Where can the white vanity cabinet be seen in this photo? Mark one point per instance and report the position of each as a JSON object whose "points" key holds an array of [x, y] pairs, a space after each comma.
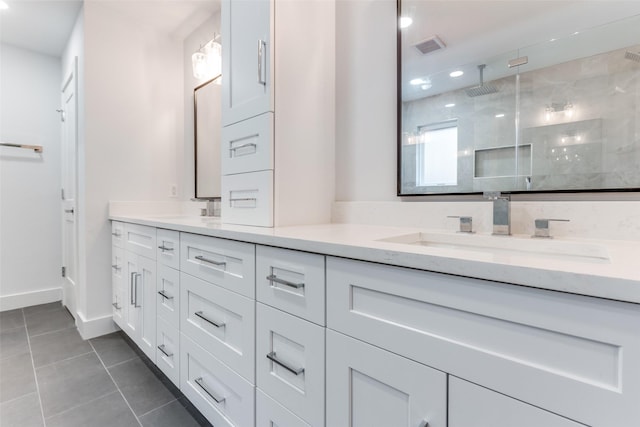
{"points": [[118, 291], [140, 320], [277, 111]]}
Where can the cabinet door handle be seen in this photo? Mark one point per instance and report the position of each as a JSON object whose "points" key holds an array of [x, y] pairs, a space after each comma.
{"points": [[424, 423], [210, 261], [136, 281], [261, 59], [165, 296], [200, 382], [165, 352], [272, 356], [115, 267], [276, 279], [164, 248], [206, 319], [131, 288], [116, 306], [116, 234], [238, 147]]}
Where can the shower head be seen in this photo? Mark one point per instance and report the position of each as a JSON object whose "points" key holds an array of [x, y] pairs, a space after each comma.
{"points": [[632, 56], [481, 89]]}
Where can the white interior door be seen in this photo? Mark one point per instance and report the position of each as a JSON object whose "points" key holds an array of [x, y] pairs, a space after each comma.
{"points": [[69, 186]]}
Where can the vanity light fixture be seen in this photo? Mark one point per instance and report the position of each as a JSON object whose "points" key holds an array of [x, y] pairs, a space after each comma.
{"points": [[552, 109], [3, 5], [456, 73], [207, 61], [405, 21]]}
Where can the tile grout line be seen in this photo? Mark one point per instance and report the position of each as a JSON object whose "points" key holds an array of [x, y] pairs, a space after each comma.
{"points": [[116, 384], [33, 366], [53, 332], [120, 363], [80, 405], [159, 407], [64, 360]]}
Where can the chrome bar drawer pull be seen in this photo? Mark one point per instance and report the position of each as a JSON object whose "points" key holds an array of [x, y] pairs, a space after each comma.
{"points": [[206, 390], [276, 279], [136, 303], [238, 147], [165, 296], [164, 248], [162, 349], [272, 356], [116, 234], [132, 291], [116, 306], [424, 423], [203, 259], [261, 62], [206, 319]]}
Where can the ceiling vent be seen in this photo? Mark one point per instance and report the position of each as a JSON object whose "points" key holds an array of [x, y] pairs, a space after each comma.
{"points": [[430, 45]]}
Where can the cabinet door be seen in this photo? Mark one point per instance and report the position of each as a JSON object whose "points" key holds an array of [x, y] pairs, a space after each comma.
{"points": [[168, 247], [474, 406], [168, 295], [131, 310], [370, 387], [145, 287], [247, 59], [117, 283]]}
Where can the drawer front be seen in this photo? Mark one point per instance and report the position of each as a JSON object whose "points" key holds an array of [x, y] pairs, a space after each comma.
{"points": [[168, 351], [168, 247], [223, 397], [270, 413], [118, 290], [168, 295], [117, 234], [291, 281], [368, 386], [247, 146], [502, 336], [222, 322], [290, 362], [247, 199], [474, 406], [224, 262], [140, 239]]}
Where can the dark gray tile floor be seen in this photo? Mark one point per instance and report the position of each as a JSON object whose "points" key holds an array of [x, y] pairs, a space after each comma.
{"points": [[51, 377]]}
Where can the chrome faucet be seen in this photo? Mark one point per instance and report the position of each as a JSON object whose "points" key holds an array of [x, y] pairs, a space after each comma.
{"points": [[501, 213]]}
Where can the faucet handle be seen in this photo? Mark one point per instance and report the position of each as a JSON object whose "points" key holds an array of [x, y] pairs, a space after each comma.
{"points": [[466, 223], [542, 227]]}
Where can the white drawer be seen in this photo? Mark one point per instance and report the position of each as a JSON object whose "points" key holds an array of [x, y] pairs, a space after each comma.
{"points": [[168, 295], [222, 322], [118, 292], [140, 239], [247, 199], [223, 397], [117, 234], [497, 335], [474, 406], [247, 146], [226, 263], [168, 248], [270, 413], [292, 281], [168, 351], [290, 362]]}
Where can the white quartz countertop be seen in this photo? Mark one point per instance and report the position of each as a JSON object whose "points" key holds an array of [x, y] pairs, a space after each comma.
{"points": [[600, 268]]}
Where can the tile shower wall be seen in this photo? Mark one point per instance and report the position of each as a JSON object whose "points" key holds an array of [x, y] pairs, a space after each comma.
{"points": [[580, 117]]}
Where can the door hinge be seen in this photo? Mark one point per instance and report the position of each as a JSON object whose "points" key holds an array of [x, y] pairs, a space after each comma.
{"points": [[64, 271]]}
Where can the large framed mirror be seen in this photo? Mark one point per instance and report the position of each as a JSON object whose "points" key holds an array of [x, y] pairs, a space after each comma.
{"points": [[518, 96], [207, 106]]}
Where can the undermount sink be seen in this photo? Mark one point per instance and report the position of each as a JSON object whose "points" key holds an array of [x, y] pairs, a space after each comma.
{"points": [[508, 245]]}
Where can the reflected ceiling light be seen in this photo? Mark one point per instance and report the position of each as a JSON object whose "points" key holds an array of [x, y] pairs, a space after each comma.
{"points": [[207, 61], [450, 105], [405, 21], [3, 5], [426, 86], [418, 81], [499, 115], [456, 73], [576, 33], [552, 40]]}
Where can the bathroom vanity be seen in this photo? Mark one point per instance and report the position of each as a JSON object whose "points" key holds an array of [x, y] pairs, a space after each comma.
{"points": [[348, 325]]}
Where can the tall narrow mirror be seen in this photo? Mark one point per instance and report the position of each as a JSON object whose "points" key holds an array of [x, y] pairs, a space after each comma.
{"points": [[207, 124]]}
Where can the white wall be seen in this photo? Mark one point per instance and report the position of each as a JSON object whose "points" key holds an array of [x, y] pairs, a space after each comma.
{"points": [[30, 218], [197, 38], [133, 129]]}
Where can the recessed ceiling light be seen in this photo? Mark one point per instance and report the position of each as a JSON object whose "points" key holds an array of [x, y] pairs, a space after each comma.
{"points": [[418, 81], [499, 115], [3, 5], [450, 105], [405, 21], [456, 73]]}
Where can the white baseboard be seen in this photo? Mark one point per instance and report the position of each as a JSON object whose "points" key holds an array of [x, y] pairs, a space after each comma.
{"points": [[91, 328], [27, 299]]}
